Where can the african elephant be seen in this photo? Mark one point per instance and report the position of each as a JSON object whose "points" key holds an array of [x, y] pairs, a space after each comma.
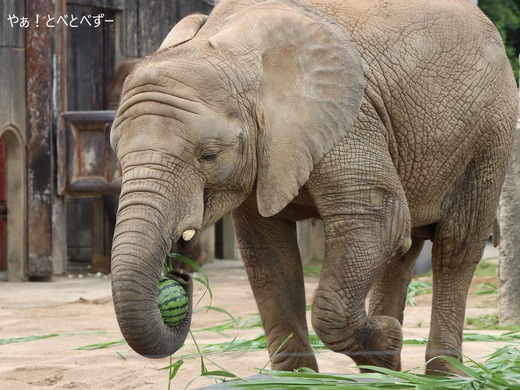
{"points": [[391, 121], [110, 201]]}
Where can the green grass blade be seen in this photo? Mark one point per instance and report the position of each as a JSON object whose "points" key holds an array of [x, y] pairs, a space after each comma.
{"points": [[26, 339], [308, 379], [219, 374], [405, 377], [174, 368], [248, 323], [513, 336], [417, 288], [505, 337], [423, 341], [91, 347], [487, 289]]}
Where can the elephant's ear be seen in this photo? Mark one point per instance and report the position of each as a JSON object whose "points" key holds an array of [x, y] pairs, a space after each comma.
{"points": [[310, 87], [184, 30]]}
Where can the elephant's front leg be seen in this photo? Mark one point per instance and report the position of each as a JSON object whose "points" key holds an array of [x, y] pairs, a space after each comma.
{"points": [[270, 252], [338, 313], [367, 223]]}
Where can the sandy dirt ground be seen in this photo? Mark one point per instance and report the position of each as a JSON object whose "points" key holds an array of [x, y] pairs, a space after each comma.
{"points": [[78, 311]]}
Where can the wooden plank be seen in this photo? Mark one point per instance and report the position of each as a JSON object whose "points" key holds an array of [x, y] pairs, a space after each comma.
{"points": [[86, 57], [100, 259], [131, 29], [150, 20], [59, 211], [147, 22], [39, 142], [187, 7], [109, 56], [106, 4], [79, 223], [11, 35], [12, 87], [170, 19]]}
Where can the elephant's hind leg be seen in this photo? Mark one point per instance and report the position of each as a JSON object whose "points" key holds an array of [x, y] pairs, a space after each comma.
{"points": [[452, 274], [388, 295], [458, 245]]}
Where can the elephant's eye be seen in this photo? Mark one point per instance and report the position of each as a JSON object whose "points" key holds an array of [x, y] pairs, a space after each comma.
{"points": [[208, 157]]}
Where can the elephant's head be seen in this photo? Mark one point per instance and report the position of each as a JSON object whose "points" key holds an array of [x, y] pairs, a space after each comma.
{"points": [[247, 107]]}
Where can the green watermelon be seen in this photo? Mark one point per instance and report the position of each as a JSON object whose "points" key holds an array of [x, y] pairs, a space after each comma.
{"points": [[173, 301]]}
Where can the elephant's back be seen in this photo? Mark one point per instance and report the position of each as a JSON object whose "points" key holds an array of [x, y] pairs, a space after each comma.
{"points": [[448, 90]]}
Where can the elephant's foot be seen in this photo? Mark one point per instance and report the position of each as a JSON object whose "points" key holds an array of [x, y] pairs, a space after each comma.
{"points": [[441, 367], [295, 361], [379, 344], [292, 355]]}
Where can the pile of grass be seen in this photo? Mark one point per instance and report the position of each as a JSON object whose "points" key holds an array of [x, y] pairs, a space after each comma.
{"points": [[501, 371]]}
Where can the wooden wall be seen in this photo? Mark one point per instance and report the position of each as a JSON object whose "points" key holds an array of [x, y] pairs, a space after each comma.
{"points": [[46, 71], [147, 22], [93, 55], [43, 72]]}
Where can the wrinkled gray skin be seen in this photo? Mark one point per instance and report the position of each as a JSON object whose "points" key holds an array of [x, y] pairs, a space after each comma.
{"points": [[110, 201], [393, 125]]}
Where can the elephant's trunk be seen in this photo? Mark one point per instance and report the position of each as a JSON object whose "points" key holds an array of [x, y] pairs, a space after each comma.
{"points": [[147, 223]]}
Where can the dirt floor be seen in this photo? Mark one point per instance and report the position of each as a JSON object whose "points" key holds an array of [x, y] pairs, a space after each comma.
{"points": [[77, 311]]}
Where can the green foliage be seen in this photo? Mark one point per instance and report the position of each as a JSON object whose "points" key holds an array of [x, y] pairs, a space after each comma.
{"points": [[417, 288], [487, 289], [489, 321], [27, 338], [508, 337], [505, 14], [486, 267], [314, 267], [92, 347], [485, 321], [500, 371], [512, 336]]}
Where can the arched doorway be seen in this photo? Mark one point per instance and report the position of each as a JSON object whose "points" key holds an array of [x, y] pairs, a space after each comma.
{"points": [[15, 194]]}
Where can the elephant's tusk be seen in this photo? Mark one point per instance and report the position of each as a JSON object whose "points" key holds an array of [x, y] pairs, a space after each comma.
{"points": [[188, 234]]}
